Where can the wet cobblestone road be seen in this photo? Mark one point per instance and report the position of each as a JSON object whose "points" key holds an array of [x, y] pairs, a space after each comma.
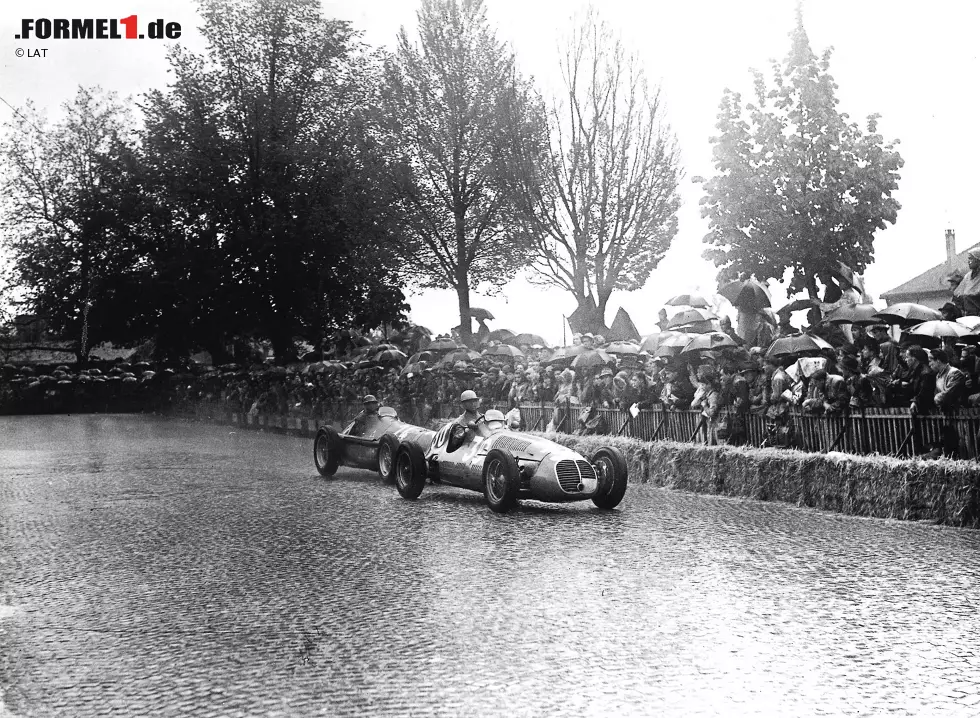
{"points": [[175, 569]]}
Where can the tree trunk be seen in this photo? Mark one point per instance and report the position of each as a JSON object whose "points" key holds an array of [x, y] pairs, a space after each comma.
{"points": [[465, 321]]}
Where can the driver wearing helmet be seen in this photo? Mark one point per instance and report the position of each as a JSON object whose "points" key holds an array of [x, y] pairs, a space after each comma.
{"points": [[471, 408]]}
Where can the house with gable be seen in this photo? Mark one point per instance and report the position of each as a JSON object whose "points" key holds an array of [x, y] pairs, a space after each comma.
{"points": [[931, 288]]}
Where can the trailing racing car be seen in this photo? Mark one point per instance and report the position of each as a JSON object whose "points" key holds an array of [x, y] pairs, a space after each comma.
{"points": [[370, 444], [508, 465]]}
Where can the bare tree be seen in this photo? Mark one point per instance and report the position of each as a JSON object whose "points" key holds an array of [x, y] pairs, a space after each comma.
{"points": [[602, 201]]}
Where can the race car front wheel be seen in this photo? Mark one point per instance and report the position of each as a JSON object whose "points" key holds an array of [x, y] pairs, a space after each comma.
{"points": [[387, 449], [410, 471], [326, 451], [610, 465], [501, 480]]}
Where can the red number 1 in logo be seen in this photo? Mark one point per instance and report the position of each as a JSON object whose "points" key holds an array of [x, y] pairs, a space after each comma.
{"points": [[130, 24]]}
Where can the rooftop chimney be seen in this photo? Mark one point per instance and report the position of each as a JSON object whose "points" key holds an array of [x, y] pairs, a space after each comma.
{"points": [[950, 250]]}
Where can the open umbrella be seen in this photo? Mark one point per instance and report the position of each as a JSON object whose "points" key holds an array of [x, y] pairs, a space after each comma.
{"points": [[861, 314], [797, 345], [688, 300], [939, 329], [501, 335], [480, 314], [651, 342], [563, 356], [530, 340], [623, 348], [592, 358], [971, 322], [415, 368], [708, 342], [672, 345], [690, 317], [391, 356], [747, 294], [503, 350], [907, 313], [444, 344], [463, 354]]}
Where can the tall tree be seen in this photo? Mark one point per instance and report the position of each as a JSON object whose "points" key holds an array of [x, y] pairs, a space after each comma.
{"points": [[72, 212], [454, 104], [257, 165], [601, 200], [798, 186]]}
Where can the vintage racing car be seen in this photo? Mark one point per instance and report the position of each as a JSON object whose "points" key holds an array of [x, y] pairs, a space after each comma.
{"points": [[370, 444], [507, 465]]}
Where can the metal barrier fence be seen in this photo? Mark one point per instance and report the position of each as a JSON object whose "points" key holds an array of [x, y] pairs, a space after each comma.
{"points": [[875, 431]]}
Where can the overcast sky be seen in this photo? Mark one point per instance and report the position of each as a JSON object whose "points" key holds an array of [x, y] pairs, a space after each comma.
{"points": [[913, 63]]}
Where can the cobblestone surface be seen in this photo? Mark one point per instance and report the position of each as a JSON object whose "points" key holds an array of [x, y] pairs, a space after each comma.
{"points": [[175, 569]]}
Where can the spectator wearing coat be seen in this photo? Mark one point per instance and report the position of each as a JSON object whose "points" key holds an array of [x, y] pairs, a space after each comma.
{"points": [[967, 293], [950, 382], [915, 386]]}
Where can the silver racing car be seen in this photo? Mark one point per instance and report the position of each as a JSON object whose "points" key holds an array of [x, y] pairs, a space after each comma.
{"points": [[507, 466]]}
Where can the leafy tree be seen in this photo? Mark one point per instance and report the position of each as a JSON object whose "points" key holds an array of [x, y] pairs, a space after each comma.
{"points": [[601, 199], [453, 105], [256, 164], [72, 216], [798, 186]]}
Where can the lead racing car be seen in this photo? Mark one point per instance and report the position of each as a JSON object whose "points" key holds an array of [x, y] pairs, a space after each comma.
{"points": [[508, 465]]}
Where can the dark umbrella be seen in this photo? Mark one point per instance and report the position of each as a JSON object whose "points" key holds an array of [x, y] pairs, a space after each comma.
{"points": [[672, 345], [501, 335], [464, 355], [689, 317], [797, 344], [708, 342], [480, 314], [529, 339], [592, 358], [848, 276], [860, 314], [747, 294], [688, 300], [907, 313], [650, 343], [391, 356], [442, 345], [503, 350]]}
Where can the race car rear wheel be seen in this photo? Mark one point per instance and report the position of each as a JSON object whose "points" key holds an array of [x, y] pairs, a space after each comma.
{"points": [[613, 474], [501, 480], [387, 449], [326, 451], [410, 471]]}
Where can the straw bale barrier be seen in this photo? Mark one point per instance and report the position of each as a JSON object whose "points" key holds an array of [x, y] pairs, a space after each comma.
{"points": [[943, 490]]}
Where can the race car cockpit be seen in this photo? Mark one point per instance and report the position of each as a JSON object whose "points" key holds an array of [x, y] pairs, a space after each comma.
{"points": [[491, 422]]}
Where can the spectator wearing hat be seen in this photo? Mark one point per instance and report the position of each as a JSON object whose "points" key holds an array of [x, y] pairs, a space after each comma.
{"points": [[949, 311], [370, 404], [967, 292]]}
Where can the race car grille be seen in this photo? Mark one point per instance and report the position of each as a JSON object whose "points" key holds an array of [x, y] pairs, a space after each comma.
{"points": [[512, 444], [572, 473]]}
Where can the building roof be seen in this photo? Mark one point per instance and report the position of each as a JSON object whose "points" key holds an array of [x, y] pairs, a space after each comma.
{"points": [[933, 280]]}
